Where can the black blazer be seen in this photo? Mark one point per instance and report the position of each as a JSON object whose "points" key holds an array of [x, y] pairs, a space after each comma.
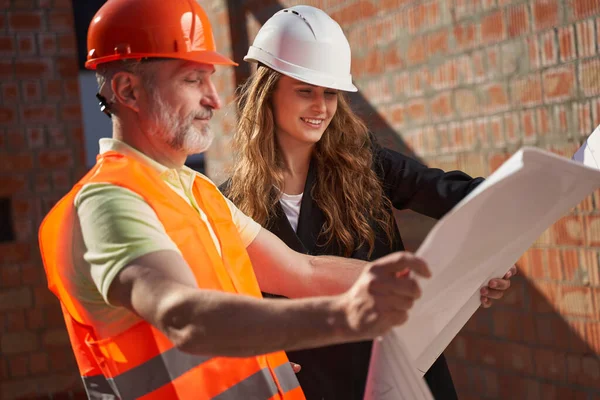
{"points": [[340, 371]]}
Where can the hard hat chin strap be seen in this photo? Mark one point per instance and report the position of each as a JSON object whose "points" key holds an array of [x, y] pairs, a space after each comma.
{"points": [[103, 103]]}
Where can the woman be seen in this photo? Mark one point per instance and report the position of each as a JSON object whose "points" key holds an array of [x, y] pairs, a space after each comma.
{"points": [[310, 172]]}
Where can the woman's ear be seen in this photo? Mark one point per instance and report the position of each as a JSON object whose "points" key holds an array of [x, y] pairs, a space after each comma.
{"points": [[126, 88]]}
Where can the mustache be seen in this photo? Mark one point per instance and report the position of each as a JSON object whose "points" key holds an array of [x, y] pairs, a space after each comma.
{"points": [[205, 113]]}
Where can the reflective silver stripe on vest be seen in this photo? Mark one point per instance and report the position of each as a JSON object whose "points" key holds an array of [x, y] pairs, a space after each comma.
{"points": [[145, 378], [286, 377], [261, 386], [170, 365], [97, 387]]}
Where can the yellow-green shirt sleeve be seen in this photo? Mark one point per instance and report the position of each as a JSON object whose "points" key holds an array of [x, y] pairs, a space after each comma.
{"points": [[117, 226]]}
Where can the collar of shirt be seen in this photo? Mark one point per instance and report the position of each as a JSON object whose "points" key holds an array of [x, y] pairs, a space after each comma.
{"points": [[182, 177]]}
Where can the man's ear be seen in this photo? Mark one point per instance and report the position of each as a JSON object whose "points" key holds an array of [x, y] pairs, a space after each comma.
{"points": [[126, 88]]}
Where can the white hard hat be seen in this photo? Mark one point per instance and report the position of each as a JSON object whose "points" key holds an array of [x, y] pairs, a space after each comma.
{"points": [[306, 44]]}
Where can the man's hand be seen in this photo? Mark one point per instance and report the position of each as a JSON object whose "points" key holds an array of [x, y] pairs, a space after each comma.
{"points": [[383, 294], [496, 288]]}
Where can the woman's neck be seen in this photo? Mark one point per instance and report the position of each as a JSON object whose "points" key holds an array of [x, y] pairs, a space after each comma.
{"points": [[296, 163]]}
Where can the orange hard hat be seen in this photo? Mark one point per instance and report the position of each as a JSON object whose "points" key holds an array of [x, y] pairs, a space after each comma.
{"points": [[136, 29]]}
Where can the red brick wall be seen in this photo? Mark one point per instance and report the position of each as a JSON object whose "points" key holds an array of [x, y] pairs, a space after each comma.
{"points": [[41, 154], [463, 84]]}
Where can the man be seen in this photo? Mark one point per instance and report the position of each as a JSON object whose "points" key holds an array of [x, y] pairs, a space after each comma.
{"points": [[159, 276]]}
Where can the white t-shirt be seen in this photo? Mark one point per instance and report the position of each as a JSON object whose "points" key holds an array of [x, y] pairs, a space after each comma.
{"points": [[291, 207]]}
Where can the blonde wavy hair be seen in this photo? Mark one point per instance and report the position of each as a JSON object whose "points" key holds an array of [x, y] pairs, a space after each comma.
{"points": [[347, 189]]}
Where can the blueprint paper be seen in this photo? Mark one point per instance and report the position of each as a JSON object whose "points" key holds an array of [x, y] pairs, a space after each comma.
{"points": [[589, 153], [480, 239]]}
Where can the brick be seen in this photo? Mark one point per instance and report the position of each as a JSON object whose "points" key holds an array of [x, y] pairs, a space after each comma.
{"points": [[441, 107], [526, 91], [466, 102], [392, 59], [554, 391], [508, 324], [589, 77], [496, 159], [518, 20], [552, 332], [583, 115], [19, 342], [70, 112], [53, 89], [7, 69], [7, 115], [575, 301], [416, 52], [516, 387], [478, 65], [416, 110], [53, 159], [71, 89], [584, 8], [590, 264], [67, 43], [486, 382], [544, 297], [16, 162], [465, 8], [517, 357], [354, 12], [437, 43], [56, 338], [48, 43], [496, 130], [586, 44], [464, 66], [416, 18], [545, 14], [549, 48], [38, 113], [18, 366], [583, 370], [551, 365], [7, 45], [559, 83], [10, 92], [41, 183], [533, 51], [465, 35], [32, 68], [61, 180], [60, 21], [24, 4], [566, 43], [592, 232], [529, 126], [25, 21], [495, 98], [35, 318], [26, 44], [67, 67], [492, 28], [15, 321], [32, 91], [38, 363], [11, 184]]}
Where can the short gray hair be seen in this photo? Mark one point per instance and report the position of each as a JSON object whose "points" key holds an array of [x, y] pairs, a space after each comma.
{"points": [[106, 71]]}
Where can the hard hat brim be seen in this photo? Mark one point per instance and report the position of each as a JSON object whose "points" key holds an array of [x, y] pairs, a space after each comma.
{"points": [[203, 57], [303, 75]]}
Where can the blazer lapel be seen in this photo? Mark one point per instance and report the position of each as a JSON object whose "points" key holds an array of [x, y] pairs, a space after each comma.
{"points": [[280, 226], [311, 218]]}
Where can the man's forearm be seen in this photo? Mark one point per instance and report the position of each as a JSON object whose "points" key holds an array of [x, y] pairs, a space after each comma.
{"points": [[222, 324], [330, 275]]}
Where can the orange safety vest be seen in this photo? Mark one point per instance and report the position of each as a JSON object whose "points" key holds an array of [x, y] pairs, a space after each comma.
{"points": [[141, 362]]}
